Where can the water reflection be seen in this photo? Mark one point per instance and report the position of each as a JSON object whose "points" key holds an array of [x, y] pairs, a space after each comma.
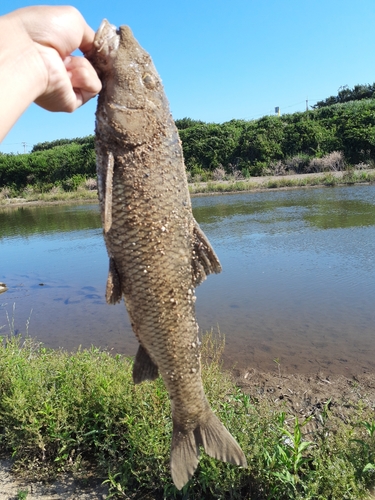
{"points": [[298, 281], [26, 221]]}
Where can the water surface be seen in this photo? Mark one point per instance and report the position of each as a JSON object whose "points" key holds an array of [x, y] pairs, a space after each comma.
{"points": [[298, 281]]}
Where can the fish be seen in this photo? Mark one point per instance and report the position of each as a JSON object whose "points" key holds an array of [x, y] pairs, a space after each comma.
{"points": [[157, 252]]}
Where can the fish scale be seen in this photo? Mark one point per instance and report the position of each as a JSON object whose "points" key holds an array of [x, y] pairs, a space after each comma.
{"points": [[158, 254]]}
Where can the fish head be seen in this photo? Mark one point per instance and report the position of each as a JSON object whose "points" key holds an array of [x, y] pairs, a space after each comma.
{"points": [[134, 104], [105, 45]]}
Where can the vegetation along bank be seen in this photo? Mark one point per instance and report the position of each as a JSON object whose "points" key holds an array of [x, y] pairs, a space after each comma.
{"points": [[330, 138], [79, 415]]}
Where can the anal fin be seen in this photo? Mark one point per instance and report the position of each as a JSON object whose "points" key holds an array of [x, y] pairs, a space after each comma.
{"points": [[113, 291], [205, 260], [144, 368]]}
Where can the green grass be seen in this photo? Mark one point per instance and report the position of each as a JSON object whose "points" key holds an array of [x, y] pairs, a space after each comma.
{"points": [[53, 195], [83, 193], [63, 411], [325, 179], [22, 495]]}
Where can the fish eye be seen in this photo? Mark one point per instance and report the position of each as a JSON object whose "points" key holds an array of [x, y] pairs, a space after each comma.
{"points": [[149, 81]]}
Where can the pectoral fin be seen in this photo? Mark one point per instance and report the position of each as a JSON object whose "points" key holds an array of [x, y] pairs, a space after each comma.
{"points": [[113, 291], [144, 368], [205, 260], [108, 194]]}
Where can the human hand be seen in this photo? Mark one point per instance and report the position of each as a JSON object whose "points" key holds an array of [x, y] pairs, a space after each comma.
{"points": [[47, 36]]}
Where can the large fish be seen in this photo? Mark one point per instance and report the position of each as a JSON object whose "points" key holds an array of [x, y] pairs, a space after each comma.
{"points": [[158, 254]]}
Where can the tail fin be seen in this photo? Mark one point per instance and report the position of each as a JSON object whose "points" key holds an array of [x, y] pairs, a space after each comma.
{"points": [[216, 441]]}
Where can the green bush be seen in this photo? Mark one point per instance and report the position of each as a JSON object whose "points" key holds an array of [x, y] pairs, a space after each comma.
{"points": [[253, 146], [48, 166], [74, 182]]}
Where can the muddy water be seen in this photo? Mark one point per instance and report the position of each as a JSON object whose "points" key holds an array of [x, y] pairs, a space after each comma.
{"points": [[297, 289]]}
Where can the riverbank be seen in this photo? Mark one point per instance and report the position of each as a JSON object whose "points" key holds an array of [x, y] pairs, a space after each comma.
{"points": [[76, 418], [335, 417], [285, 182], [349, 177], [311, 399]]}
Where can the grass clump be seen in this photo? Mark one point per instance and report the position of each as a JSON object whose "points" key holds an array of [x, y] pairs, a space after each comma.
{"points": [[283, 181], [63, 411], [77, 187]]}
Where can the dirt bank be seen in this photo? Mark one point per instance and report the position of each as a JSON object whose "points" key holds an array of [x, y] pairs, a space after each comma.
{"points": [[12, 487]]}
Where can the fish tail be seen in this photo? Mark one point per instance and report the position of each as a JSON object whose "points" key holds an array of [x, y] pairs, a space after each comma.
{"points": [[216, 441]]}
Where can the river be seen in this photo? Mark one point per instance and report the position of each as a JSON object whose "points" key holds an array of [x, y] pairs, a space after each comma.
{"points": [[297, 287]]}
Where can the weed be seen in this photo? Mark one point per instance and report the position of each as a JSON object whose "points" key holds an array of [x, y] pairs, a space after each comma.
{"points": [[22, 495], [64, 411], [91, 184], [218, 174], [277, 361], [367, 446], [198, 183], [287, 463]]}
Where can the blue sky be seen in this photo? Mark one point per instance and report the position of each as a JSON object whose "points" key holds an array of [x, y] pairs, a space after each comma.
{"points": [[225, 59]]}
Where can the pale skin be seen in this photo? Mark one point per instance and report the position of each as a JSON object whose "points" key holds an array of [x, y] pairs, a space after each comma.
{"points": [[36, 64]]}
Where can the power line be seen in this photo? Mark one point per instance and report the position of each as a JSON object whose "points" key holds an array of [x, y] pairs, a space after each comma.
{"points": [[25, 145]]}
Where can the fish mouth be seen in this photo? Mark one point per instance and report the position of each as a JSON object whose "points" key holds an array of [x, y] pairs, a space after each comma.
{"points": [[106, 38]]}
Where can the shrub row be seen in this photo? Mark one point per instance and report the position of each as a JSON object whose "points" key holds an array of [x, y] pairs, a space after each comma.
{"points": [[256, 147]]}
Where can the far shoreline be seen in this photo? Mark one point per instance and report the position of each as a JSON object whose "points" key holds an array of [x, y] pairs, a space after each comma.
{"points": [[253, 184]]}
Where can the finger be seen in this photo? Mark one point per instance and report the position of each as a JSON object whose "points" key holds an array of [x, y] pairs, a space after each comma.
{"points": [[61, 98], [71, 22], [82, 75], [88, 36], [82, 96], [61, 27]]}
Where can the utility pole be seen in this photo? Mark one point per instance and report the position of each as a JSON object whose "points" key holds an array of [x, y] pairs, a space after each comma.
{"points": [[24, 147], [307, 103]]}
